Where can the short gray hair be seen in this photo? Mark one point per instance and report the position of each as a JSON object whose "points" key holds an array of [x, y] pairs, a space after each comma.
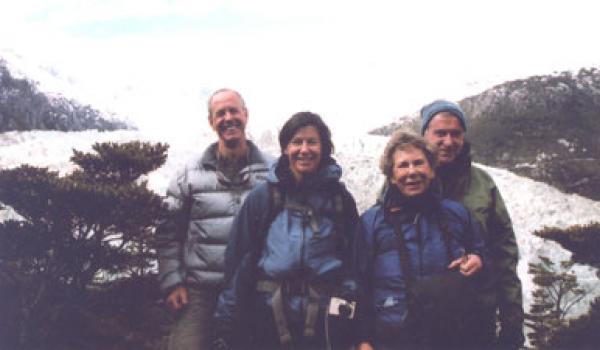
{"points": [[400, 140], [224, 90]]}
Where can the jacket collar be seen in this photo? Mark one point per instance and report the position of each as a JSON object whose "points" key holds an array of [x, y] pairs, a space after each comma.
{"points": [[329, 172], [397, 205], [454, 177], [256, 161], [209, 158]]}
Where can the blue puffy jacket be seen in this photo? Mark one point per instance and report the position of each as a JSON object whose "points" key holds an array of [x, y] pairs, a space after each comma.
{"points": [[290, 250], [382, 272]]}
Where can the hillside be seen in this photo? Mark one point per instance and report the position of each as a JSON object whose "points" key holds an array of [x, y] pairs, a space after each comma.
{"points": [[24, 107], [532, 205], [543, 127]]}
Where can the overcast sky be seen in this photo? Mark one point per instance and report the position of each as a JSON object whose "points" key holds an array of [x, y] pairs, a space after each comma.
{"points": [[357, 63]]}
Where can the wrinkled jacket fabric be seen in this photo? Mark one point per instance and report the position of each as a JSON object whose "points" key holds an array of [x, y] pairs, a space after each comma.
{"points": [[383, 276], [290, 251], [475, 189], [203, 203]]}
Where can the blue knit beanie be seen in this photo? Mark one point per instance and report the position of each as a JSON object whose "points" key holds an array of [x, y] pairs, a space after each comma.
{"points": [[437, 106]]}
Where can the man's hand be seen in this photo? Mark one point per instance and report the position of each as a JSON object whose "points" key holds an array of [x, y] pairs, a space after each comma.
{"points": [[178, 298], [468, 264]]}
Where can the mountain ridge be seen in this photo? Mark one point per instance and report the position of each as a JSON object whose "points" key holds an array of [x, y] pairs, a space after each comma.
{"points": [[24, 107], [544, 127]]}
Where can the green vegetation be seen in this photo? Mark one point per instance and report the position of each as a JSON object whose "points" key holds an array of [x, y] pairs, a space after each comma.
{"points": [[76, 271], [559, 290]]}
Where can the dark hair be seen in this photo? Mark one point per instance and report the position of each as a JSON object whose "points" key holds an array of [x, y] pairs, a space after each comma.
{"points": [[300, 120], [401, 140]]}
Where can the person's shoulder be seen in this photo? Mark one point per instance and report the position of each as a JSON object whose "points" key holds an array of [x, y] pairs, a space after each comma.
{"points": [[259, 156], [268, 159], [259, 195], [261, 189], [341, 188], [481, 174], [195, 164], [454, 208], [370, 220], [372, 213], [348, 201], [199, 161]]}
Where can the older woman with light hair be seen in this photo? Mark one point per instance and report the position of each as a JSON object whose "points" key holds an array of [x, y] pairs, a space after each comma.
{"points": [[422, 256]]}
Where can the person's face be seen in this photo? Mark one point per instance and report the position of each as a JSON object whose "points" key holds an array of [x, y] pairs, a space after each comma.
{"points": [[228, 118], [304, 152], [411, 173], [447, 134]]}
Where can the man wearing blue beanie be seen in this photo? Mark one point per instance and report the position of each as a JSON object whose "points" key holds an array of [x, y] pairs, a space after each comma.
{"points": [[444, 125]]}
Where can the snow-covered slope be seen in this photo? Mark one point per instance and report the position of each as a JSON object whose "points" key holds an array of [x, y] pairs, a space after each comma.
{"points": [[56, 85], [532, 205]]}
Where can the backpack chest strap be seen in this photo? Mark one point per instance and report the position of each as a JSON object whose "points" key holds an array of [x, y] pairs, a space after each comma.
{"points": [[308, 214], [281, 289]]}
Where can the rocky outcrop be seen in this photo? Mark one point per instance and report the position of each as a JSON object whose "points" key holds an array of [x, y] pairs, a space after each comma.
{"points": [[23, 107]]}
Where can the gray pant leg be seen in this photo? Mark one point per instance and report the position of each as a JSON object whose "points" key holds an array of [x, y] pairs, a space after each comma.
{"points": [[193, 328]]}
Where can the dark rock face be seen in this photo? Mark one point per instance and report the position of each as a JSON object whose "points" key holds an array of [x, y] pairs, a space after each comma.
{"points": [[22, 107], [543, 127]]}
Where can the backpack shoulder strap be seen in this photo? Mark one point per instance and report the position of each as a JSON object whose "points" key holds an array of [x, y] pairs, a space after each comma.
{"points": [[339, 214], [338, 203], [274, 206], [337, 193], [446, 233], [276, 202]]}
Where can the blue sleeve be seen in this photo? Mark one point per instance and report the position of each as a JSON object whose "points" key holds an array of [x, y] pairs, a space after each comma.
{"points": [[241, 256], [472, 237]]}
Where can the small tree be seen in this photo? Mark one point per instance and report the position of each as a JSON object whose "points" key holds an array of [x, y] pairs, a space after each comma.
{"points": [[580, 333], [584, 242], [558, 291], [97, 218]]}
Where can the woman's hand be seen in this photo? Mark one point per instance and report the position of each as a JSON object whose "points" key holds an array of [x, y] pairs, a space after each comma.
{"points": [[468, 264]]}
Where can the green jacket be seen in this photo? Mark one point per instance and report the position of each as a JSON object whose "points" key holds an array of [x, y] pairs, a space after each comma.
{"points": [[476, 190]]}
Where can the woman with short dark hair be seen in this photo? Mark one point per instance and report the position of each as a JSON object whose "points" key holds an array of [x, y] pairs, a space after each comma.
{"points": [[289, 263]]}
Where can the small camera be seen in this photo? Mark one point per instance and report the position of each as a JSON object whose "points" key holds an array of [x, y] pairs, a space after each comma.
{"points": [[342, 308]]}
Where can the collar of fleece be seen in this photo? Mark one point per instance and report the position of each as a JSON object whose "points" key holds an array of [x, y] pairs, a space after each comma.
{"points": [[399, 208], [454, 176]]}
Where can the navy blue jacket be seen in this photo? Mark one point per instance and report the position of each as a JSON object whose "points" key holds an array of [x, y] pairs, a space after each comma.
{"points": [[382, 272], [289, 251]]}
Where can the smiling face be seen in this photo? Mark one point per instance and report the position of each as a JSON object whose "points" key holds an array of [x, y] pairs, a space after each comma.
{"points": [[446, 132], [411, 172], [304, 152], [228, 118]]}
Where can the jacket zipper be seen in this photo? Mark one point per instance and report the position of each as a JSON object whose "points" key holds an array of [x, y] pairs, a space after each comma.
{"points": [[302, 245]]}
